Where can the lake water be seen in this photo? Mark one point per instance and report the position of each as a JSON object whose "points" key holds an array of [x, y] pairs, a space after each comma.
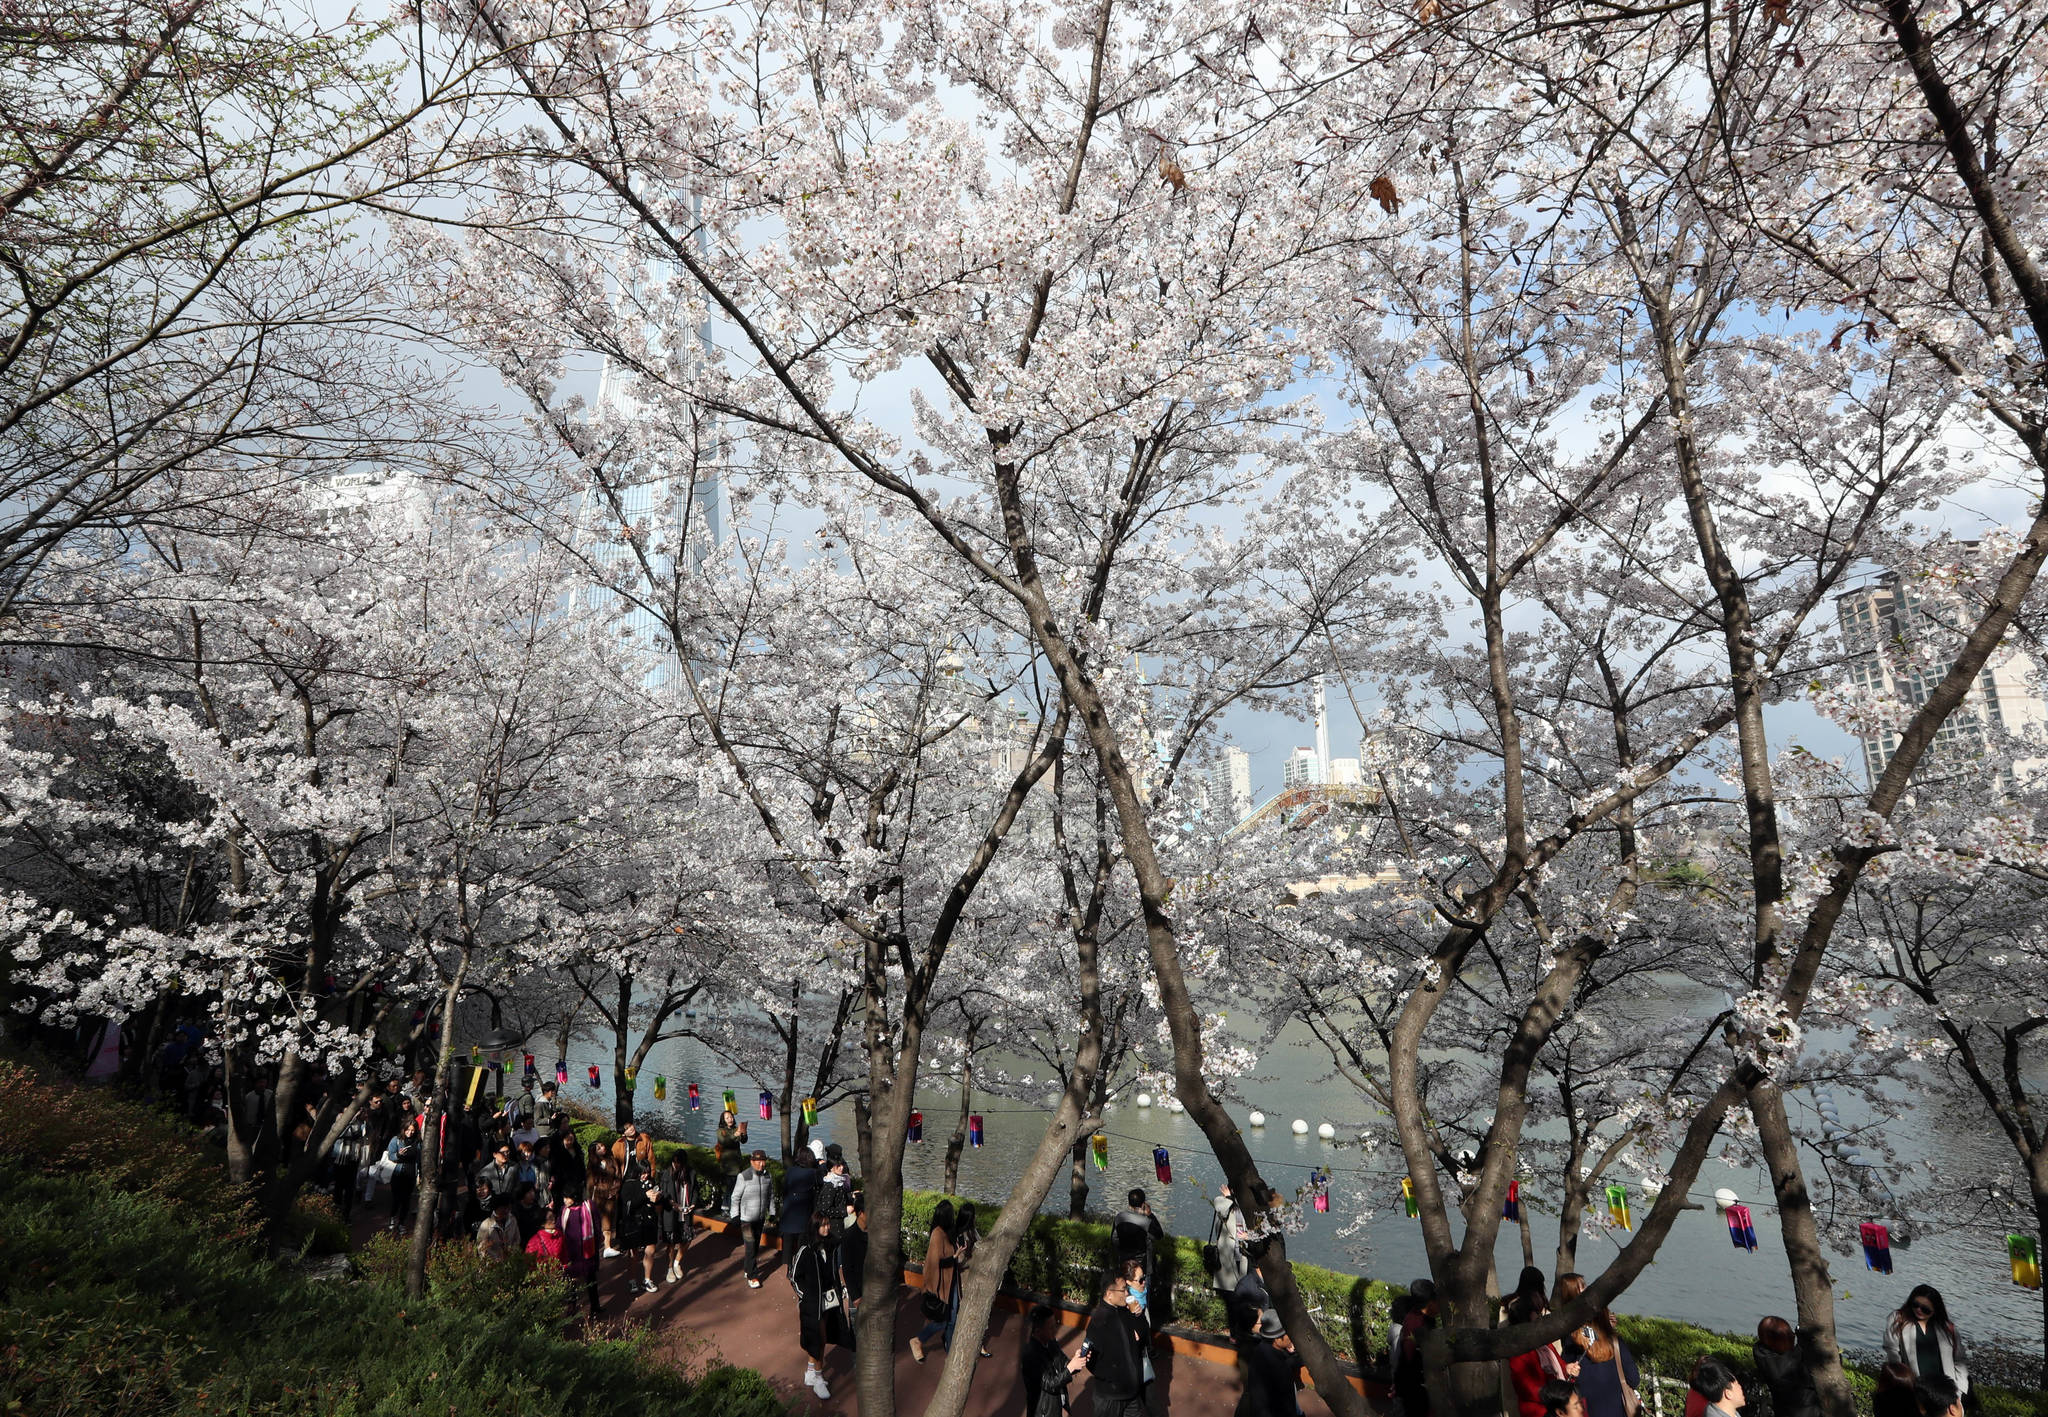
{"points": [[1699, 1276]]}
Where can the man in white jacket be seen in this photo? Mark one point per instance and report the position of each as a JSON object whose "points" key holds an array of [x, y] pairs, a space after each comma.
{"points": [[752, 1204]]}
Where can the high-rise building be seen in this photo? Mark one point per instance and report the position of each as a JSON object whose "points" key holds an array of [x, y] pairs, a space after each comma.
{"points": [[1302, 769], [1344, 772], [1884, 624]]}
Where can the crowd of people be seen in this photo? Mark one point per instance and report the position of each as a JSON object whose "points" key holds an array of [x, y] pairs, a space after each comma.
{"points": [[515, 1181]]}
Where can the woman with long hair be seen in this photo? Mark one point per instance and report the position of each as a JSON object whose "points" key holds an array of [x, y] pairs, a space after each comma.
{"points": [[1607, 1370], [936, 1279], [678, 1200], [823, 1307], [1532, 1371], [601, 1189], [1921, 1336]]}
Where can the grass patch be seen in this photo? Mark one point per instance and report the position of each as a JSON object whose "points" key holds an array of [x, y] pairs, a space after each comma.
{"points": [[129, 1289]]}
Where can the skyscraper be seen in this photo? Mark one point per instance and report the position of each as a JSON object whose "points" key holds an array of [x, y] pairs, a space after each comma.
{"points": [[1303, 768], [1884, 625]]}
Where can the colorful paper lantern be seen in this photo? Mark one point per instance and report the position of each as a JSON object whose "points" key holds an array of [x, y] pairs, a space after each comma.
{"points": [[1741, 1231], [767, 1107], [695, 1102], [2025, 1253], [631, 1075], [1162, 1166], [561, 1072], [529, 1069], [732, 1102], [1877, 1246], [1511, 1208], [810, 1111], [660, 1088], [1100, 1149], [1319, 1189], [593, 1075], [974, 1130], [476, 1077], [1408, 1202], [1617, 1206], [917, 1126]]}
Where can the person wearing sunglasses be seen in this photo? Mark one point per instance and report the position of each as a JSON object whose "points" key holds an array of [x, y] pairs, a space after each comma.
{"points": [[1921, 1336]]}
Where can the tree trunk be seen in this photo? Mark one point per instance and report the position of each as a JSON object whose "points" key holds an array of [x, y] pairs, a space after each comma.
{"points": [[2040, 1188], [959, 1138], [430, 1141], [1077, 1181], [1528, 1236], [1571, 1217], [1812, 1285], [622, 1096]]}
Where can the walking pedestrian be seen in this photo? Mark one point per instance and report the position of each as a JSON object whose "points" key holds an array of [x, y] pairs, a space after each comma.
{"points": [[1136, 1231], [601, 1189], [678, 1193], [1531, 1371], [403, 1152], [1408, 1372], [1560, 1399], [1921, 1336], [637, 1230], [1716, 1382], [801, 1180], [1119, 1353], [1895, 1394], [732, 1140], [750, 1202], [1272, 1372], [1227, 1236], [936, 1279], [580, 1249], [1048, 1371], [545, 1245], [1781, 1364], [498, 1237], [853, 1248], [823, 1307], [1608, 1377]]}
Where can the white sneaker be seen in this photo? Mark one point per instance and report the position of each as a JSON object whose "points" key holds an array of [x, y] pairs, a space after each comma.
{"points": [[610, 1253], [817, 1381], [753, 1284]]}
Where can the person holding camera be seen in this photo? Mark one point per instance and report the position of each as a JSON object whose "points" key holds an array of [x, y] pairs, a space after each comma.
{"points": [[1119, 1350]]}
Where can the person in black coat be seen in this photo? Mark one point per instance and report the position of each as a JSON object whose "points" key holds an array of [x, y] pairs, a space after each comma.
{"points": [[800, 1182], [1048, 1371], [1781, 1362], [823, 1309], [1119, 1357], [853, 1250], [1272, 1373]]}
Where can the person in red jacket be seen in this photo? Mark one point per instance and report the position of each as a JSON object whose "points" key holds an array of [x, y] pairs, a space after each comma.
{"points": [[546, 1244], [1530, 1371]]}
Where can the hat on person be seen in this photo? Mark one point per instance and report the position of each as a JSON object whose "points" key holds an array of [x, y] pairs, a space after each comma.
{"points": [[1270, 1325], [817, 1149]]}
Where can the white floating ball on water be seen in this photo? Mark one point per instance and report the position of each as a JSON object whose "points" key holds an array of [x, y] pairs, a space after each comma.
{"points": [[1144, 1099], [1174, 1104], [1300, 1127], [1257, 1119], [1327, 1132]]}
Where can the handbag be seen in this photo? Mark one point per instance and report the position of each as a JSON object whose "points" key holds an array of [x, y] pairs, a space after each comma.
{"points": [[1631, 1400], [933, 1306]]}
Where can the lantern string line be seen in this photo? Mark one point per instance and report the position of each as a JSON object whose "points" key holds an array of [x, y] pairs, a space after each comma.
{"points": [[678, 1087]]}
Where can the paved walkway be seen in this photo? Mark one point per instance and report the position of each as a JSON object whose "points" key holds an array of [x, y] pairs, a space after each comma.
{"points": [[712, 1316]]}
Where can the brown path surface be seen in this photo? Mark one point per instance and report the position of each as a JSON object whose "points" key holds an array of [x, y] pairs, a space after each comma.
{"points": [[712, 1316]]}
